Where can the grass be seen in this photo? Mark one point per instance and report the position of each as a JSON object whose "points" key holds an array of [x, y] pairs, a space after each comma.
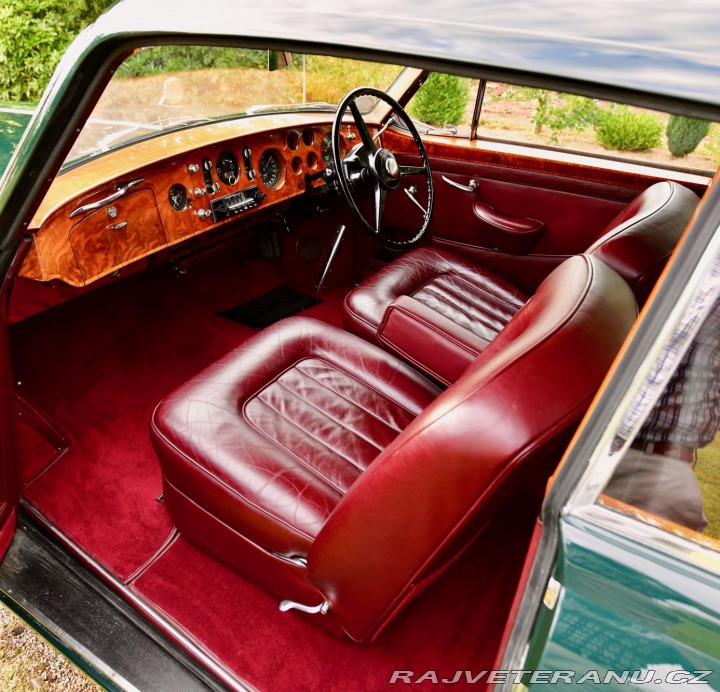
{"points": [[707, 471]]}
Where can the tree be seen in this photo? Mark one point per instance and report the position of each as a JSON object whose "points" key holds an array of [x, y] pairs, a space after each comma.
{"points": [[684, 134], [35, 34], [441, 100]]}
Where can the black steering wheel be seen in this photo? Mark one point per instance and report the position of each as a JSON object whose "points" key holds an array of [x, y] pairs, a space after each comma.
{"points": [[367, 166]]}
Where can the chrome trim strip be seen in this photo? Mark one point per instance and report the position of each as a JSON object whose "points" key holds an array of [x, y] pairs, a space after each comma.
{"points": [[218, 669]]}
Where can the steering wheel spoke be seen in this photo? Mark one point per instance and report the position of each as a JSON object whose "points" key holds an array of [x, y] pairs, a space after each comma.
{"points": [[380, 193], [365, 135], [369, 171]]}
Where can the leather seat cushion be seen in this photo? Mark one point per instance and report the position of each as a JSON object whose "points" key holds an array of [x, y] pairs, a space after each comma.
{"points": [[269, 439], [470, 296]]}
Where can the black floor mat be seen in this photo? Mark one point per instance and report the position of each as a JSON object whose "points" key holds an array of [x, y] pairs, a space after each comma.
{"points": [[270, 307]]}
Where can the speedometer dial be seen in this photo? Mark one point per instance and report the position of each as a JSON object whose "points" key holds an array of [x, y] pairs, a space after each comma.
{"points": [[227, 167], [326, 147], [270, 168]]}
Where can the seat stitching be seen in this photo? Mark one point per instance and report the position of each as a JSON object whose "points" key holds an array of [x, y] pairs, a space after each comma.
{"points": [[478, 287], [312, 437], [335, 420], [471, 318], [355, 403], [364, 384]]}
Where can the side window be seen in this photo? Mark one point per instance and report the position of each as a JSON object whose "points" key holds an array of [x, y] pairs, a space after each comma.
{"points": [[444, 104], [550, 118], [669, 470]]}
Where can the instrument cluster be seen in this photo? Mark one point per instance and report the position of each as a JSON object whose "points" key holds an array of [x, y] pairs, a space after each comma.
{"points": [[171, 197], [246, 175]]}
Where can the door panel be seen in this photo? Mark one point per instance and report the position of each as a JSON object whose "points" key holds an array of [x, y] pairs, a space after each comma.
{"points": [[9, 483], [574, 201]]}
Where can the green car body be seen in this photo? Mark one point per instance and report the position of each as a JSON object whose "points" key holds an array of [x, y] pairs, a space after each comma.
{"points": [[14, 119]]}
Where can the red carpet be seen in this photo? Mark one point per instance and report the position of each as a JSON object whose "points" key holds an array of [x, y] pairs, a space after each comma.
{"points": [[455, 625], [98, 366]]}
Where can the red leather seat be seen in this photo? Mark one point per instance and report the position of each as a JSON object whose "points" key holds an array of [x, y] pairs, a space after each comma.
{"points": [[330, 473], [438, 310], [258, 450]]}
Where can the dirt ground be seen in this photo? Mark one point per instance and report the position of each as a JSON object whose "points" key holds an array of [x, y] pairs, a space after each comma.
{"points": [[29, 664]]}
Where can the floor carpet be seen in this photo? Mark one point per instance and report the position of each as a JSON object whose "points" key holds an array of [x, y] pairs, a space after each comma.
{"points": [[97, 366]]}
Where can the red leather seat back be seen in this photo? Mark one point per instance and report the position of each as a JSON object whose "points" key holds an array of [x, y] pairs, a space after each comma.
{"points": [[642, 236], [503, 424]]}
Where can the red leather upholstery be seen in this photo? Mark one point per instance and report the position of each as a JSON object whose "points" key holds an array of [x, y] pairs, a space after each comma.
{"points": [[455, 292], [270, 438], [308, 442], [640, 240], [466, 305], [501, 425]]}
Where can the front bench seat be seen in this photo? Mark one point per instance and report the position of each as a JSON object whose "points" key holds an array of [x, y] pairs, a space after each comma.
{"points": [[438, 310], [331, 474]]}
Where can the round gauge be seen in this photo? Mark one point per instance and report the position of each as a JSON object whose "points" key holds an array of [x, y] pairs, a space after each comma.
{"points": [[178, 197], [326, 147], [228, 169], [270, 168]]}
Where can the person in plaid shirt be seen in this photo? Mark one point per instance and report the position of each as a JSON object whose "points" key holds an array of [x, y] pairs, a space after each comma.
{"points": [[656, 474]]}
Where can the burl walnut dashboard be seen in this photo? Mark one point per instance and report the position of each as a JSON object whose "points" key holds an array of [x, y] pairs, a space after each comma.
{"points": [[129, 203]]}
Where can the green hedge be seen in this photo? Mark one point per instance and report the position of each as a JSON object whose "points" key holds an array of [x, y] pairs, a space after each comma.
{"points": [[624, 130], [441, 100], [161, 59], [33, 37]]}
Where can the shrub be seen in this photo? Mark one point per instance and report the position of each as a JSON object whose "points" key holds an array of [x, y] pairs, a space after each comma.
{"points": [[556, 110], [34, 36], [165, 59], [625, 130], [684, 134], [441, 100]]}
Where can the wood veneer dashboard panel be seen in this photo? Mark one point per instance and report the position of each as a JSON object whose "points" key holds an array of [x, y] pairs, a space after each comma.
{"points": [[90, 245]]}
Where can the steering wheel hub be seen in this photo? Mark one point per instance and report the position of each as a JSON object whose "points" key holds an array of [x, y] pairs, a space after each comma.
{"points": [[386, 169]]}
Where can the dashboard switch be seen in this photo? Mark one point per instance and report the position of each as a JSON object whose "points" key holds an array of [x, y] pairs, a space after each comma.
{"points": [[204, 213]]}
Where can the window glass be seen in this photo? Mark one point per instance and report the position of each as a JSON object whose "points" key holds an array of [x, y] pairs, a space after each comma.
{"points": [[163, 88], [550, 118], [670, 464], [444, 104]]}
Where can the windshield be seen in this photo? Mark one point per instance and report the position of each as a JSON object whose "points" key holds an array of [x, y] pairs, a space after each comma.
{"points": [[163, 88]]}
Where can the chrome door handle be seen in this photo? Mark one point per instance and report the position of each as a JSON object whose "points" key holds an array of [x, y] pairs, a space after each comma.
{"points": [[472, 187], [107, 200]]}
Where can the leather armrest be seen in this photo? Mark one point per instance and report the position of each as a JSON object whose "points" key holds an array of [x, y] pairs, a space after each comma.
{"points": [[515, 235], [428, 340]]}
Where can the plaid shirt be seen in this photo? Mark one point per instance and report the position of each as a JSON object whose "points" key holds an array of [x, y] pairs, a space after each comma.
{"points": [[687, 411]]}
